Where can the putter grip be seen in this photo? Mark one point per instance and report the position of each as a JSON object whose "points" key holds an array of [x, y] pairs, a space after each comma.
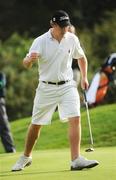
{"points": [[84, 93]]}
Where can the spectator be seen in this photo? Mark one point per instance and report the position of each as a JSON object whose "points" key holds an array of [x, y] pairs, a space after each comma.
{"points": [[5, 133]]}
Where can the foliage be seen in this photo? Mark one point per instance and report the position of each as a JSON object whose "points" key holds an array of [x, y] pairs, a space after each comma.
{"points": [[33, 16], [104, 36], [21, 83]]}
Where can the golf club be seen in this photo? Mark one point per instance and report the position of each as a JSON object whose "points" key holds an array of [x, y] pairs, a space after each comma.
{"points": [[90, 149]]}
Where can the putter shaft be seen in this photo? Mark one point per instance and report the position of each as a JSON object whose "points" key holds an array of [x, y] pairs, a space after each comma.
{"points": [[88, 118]]}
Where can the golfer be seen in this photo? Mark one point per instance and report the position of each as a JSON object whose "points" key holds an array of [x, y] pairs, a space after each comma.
{"points": [[54, 51]]}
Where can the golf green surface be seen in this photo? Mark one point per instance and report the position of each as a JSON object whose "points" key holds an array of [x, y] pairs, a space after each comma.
{"points": [[55, 165]]}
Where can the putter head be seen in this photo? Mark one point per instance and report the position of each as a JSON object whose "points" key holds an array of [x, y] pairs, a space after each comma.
{"points": [[89, 150]]}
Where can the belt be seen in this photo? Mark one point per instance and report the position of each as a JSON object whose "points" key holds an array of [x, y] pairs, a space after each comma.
{"points": [[57, 83]]}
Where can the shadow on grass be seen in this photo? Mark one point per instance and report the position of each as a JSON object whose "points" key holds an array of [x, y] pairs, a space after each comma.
{"points": [[10, 173]]}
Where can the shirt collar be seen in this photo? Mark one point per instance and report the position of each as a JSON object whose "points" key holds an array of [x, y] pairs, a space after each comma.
{"points": [[65, 35], [49, 34], [51, 37]]}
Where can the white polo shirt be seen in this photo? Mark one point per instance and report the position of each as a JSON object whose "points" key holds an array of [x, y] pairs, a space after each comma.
{"points": [[56, 58]]}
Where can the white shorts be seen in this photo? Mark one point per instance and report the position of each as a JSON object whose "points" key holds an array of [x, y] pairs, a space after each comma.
{"points": [[48, 97]]}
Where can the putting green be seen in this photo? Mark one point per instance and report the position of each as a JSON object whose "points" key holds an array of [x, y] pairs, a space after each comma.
{"points": [[55, 165]]}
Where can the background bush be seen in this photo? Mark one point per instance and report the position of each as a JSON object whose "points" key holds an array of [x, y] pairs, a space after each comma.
{"points": [[21, 83], [98, 43]]}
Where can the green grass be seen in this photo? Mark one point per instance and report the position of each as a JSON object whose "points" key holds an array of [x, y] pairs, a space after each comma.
{"points": [[103, 122], [55, 136], [55, 165]]}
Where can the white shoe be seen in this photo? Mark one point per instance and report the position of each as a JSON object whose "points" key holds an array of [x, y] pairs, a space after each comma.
{"points": [[81, 163], [22, 163]]}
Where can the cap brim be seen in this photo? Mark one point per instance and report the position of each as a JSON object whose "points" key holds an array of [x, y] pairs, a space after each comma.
{"points": [[64, 23]]}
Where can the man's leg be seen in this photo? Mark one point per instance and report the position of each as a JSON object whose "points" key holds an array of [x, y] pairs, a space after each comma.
{"points": [[5, 132], [78, 162], [74, 136], [26, 159], [7, 139], [32, 135]]}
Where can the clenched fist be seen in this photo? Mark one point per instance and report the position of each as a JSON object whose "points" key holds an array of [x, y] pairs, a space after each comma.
{"points": [[30, 59]]}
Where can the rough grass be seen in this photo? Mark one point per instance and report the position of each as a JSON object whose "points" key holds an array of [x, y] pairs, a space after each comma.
{"points": [[54, 136]]}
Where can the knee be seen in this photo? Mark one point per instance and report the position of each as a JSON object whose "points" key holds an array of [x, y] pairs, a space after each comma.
{"points": [[35, 130], [75, 121]]}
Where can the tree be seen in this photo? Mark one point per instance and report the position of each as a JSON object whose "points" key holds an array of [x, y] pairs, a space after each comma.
{"points": [[33, 16]]}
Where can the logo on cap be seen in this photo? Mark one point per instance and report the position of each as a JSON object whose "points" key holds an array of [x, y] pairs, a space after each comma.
{"points": [[61, 18], [64, 18]]}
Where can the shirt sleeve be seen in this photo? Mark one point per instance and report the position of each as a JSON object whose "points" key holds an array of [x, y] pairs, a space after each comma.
{"points": [[35, 47], [78, 51]]}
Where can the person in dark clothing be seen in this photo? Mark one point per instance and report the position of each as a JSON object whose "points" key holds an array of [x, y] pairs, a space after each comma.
{"points": [[76, 71], [5, 134]]}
